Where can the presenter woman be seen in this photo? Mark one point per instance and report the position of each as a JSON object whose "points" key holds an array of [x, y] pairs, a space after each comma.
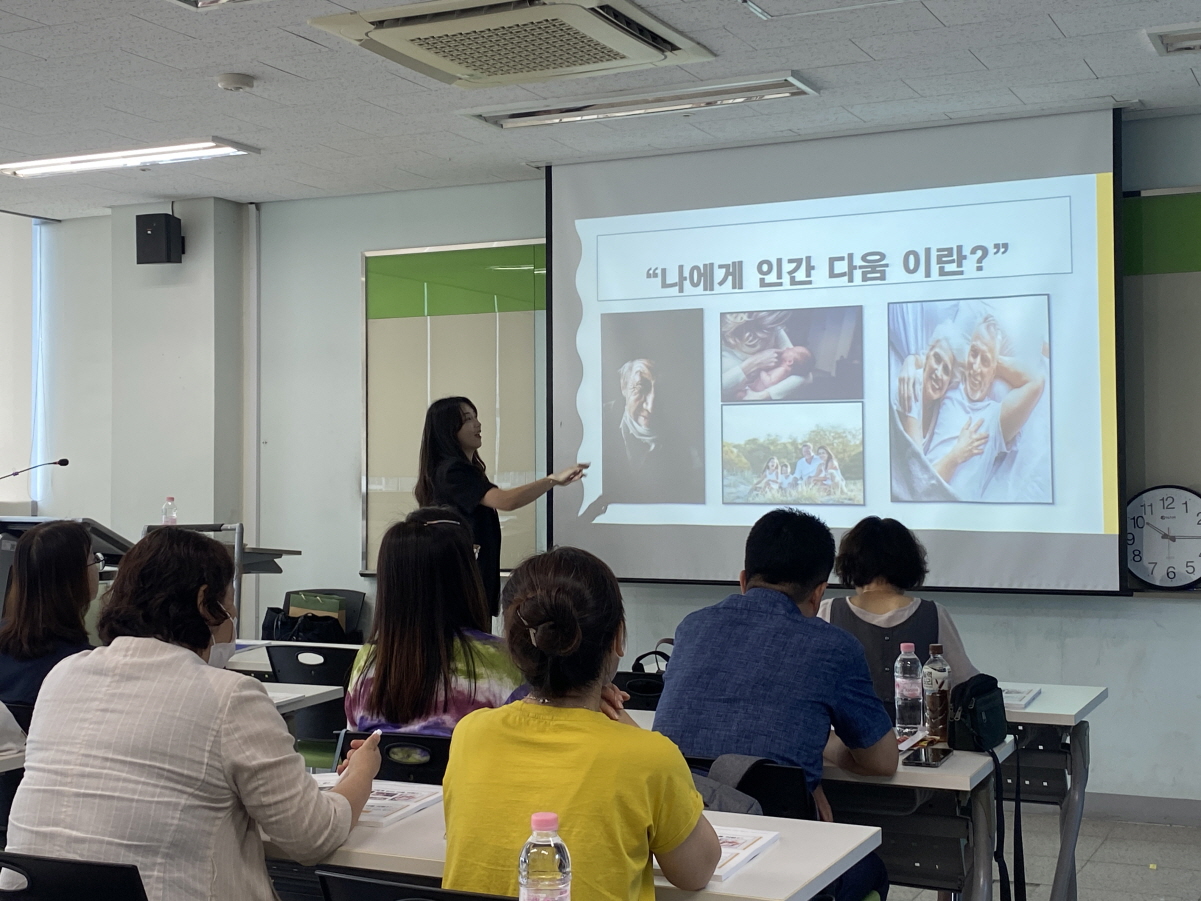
{"points": [[451, 473]]}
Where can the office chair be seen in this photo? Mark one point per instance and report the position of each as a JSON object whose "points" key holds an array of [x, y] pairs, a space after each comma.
{"points": [[352, 605], [405, 758], [315, 727], [781, 791], [345, 887], [53, 879]]}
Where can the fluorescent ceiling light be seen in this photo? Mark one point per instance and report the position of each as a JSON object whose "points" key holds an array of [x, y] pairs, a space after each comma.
{"points": [[682, 98], [126, 159]]}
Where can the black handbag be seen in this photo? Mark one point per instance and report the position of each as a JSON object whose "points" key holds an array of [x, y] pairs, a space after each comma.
{"points": [[278, 626], [977, 722]]}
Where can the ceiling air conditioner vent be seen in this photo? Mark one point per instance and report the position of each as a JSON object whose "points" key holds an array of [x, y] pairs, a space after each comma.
{"points": [[1176, 39], [480, 45]]}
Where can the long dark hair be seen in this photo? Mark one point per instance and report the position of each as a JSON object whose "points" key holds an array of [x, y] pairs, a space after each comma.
{"points": [[154, 594], [564, 611], [440, 442], [50, 591], [428, 591]]}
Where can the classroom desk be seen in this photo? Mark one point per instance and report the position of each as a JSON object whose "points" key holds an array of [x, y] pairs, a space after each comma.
{"points": [[807, 858], [1053, 751], [251, 657], [966, 774], [289, 697], [967, 778]]}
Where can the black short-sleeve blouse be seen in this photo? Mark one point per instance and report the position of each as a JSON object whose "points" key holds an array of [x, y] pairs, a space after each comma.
{"points": [[462, 485]]}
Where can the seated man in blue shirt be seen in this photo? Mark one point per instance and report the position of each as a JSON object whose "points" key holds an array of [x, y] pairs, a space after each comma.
{"points": [[760, 674]]}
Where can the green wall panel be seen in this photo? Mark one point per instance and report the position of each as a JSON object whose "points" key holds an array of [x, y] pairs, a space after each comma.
{"points": [[453, 282], [1162, 234]]}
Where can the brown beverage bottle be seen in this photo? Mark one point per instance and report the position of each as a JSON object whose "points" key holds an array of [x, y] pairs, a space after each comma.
{"points": [[936, 688]]}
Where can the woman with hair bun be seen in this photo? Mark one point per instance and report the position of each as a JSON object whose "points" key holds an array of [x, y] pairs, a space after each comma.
{"points": [[621, 793]]}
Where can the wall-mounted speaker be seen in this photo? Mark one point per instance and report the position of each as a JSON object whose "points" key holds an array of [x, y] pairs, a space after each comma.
{"points": [[159, 238]]}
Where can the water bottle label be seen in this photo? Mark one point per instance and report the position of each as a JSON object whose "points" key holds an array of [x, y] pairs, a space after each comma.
{"points": [[544, 893], [907, 688]]}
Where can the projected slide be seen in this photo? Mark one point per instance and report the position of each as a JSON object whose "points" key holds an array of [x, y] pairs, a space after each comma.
{"points": [[929, 354]]}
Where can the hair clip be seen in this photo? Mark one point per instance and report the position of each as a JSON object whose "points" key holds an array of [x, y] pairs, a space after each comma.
{"points": [[533, 631]]}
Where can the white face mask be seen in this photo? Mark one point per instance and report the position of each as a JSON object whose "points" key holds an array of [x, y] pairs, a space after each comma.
{"points": [[221, 652]]}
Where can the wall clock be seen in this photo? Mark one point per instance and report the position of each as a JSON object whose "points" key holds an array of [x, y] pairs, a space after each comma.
{"points": [[1163, 536]]}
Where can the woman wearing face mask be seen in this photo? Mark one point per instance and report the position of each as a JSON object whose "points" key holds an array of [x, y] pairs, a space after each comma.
{"points": [[146, 752], [451, 474]]}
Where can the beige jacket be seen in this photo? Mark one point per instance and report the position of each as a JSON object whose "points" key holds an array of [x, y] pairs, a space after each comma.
{"points": [[142, 753]]}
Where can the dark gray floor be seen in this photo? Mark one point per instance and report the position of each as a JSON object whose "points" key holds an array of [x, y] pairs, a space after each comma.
{"points": [[1114, 861]]}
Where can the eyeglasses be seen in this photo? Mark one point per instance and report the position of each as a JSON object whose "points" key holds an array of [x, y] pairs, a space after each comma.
{"points": [[97, 560]]}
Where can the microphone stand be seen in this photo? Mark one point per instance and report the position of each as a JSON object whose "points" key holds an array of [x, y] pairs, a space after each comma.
{"points": [[9, 475]]}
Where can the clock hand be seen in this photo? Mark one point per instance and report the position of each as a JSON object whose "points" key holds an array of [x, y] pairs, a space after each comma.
{"points": [[1161, 531]]}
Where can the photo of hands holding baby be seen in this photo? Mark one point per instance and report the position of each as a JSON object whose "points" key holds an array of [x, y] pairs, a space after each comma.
{"points": [[783, 355], [970, 397]]}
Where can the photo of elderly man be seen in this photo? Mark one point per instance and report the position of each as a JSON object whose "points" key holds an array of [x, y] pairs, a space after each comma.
{"points": [[654, 417]]}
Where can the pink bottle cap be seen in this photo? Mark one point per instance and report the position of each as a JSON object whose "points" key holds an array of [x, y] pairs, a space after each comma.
{"points": [[906, 647], [171, 499], [545, 822]]}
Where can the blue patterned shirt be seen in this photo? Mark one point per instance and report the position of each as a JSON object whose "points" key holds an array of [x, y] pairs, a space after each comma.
{"points": [[753, 675]]}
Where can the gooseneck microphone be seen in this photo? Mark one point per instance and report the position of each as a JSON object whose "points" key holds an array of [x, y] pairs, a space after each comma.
{"points": [[63, 462]]}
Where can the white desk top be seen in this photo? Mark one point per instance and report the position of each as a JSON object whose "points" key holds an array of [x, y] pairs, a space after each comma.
{"points": [[807, 858], [11, 760], [289, 697], [962, 771], [1057, 705]]}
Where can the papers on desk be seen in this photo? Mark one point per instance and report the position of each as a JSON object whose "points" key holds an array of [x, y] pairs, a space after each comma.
{"points": [[389, 801], [738, 848], [1020, 698], [283, 697], [904, 744]]}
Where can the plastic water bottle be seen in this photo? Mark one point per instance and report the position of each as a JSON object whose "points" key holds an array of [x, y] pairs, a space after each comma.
{"points": [[170, 514], [936, 686], [544, 868], [907, 678]]}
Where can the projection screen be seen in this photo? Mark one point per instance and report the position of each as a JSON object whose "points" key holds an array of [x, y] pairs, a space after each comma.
{"points": [[916, 324]]}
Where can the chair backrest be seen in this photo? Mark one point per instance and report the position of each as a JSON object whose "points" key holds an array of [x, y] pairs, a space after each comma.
{"points": [[405, 758], [782, 791], [23, 714], [53, 879], [345, 887], [352, 604], [315, 665], [644, 689]]}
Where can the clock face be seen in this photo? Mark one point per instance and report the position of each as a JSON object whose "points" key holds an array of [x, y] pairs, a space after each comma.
{"points": [[1163, 536]]}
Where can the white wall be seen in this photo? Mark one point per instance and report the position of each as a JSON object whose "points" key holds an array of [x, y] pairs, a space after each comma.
{"points": [[176, 370], [311, 351], [16, 287], [77, 360], [1162, 153]]}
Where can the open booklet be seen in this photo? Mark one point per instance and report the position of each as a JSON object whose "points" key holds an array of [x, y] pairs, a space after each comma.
{"points": [[389, 801], [738, 848]]}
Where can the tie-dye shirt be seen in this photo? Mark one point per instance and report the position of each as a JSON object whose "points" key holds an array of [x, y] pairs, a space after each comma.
{"points": [[497, 681]]}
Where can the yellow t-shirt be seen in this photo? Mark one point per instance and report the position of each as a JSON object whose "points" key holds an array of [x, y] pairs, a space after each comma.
{"points": [[621, 793]]}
